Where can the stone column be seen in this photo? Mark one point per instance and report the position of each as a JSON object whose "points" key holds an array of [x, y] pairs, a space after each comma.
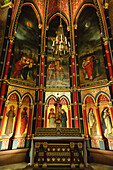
{"points": [[69, 116], [85, 121], [4, 116], [45, 125], [4, 84], [16, 132]]}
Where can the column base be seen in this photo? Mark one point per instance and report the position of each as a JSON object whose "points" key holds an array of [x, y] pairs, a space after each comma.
{"points": [[88, 143], [102, 144], [44, 165], [14, 143]]}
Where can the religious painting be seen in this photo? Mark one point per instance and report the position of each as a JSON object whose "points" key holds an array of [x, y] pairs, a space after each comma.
{"points": [[57, 59], [106, 123], [24, 67], [57, 110], [24, 117], [52, 118], [92, 122], [105, 115], [10, 120], [11, 114], [3, 19], [90, 52], [24, 121]]}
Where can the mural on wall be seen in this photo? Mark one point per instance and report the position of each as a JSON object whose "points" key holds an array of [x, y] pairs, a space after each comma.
{"points": [[57, 65], [11, 114], [92, 122], [91, 116], [24, 117], [26, 48], [24, 120], [58, 111], [106, 122], [57, 108], [10, 118], [105, 115], [52, 118], [90, 53]]}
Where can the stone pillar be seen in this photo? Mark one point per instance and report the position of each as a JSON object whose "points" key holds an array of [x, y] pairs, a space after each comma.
{"points": [[17, 120], [109, 63], [98, 120], [101, 141], [4, 84], [69, 116], [85, 121], [30, 121], [45, 123], [76, 110], [39, 109], [4, 116]]}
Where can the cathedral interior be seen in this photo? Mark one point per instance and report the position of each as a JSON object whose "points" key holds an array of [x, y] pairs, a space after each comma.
{"points": [[56, 82]]}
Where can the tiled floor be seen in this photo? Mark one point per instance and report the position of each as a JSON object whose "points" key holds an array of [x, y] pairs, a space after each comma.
{"points": [[25, 166]]}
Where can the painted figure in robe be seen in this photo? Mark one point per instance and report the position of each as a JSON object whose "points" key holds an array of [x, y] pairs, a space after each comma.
{"points": [[106, 122], [92, 122], [19, 66], [52, 118], [23, 120], [63, 118], [58, 107], [9, 125], [51, 71]]}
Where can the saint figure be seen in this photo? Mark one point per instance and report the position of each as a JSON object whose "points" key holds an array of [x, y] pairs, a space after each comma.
{"points": [[52, 118], [106, 122], [23, 120], [58, 107], [64, 118], [88, 66], [9, 126], [92, 122]]}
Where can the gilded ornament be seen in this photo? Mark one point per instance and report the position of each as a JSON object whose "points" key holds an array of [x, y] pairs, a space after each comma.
{"points": [[63, 159], [68, 159], [58, 159], [48, 159], [53, 159], [53, 149], [63, 149], [58, 149], [79, 145], [72, 145]]}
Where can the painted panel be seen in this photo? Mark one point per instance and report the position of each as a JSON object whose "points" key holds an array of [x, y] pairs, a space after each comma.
{"points": [[90, 52], [26, 48], [57, 64], [51, 108]]}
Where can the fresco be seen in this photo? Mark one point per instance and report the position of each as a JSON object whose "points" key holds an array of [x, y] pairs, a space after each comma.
{"points": [[11, 115], [57, 66], [57, 102], [106, 123], [10, 120], [90, 53], [92, 122], [26, 48]]}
